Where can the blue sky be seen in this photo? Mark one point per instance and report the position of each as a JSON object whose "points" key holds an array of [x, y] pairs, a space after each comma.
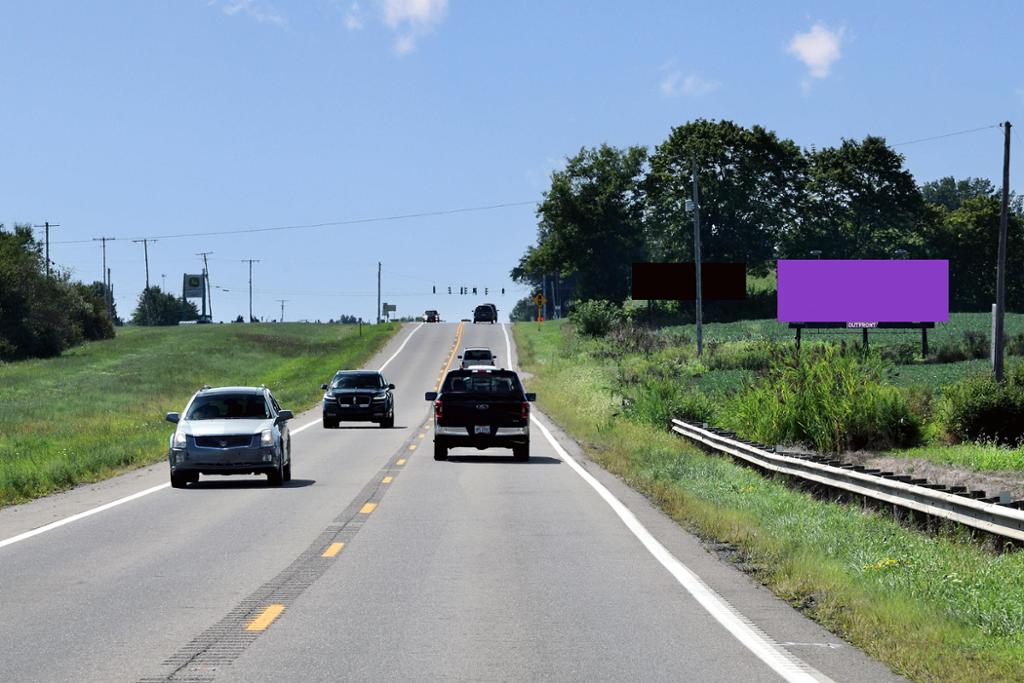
{"points": [[135, 119]]}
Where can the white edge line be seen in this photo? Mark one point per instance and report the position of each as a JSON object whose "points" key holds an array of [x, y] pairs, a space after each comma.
{"points": [[395, 354], [81, 515], [106, 506], [783, 663]]}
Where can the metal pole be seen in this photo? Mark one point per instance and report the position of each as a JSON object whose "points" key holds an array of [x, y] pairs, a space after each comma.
{"points": [[206, 284], [283, 302], [47, 225], [250, 261], [378, 292], [696, 256], [997, 341], [106, 275]]}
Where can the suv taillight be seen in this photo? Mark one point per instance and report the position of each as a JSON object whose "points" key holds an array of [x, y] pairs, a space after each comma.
{"points": [[438, 410], [526, 410]]}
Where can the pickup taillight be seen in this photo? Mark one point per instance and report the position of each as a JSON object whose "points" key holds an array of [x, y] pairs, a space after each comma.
{"points": [[438, 410], [526, 410]]}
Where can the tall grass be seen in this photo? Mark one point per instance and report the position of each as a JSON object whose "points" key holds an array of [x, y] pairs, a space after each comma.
{"points": [[99, 408], [830, 398]]}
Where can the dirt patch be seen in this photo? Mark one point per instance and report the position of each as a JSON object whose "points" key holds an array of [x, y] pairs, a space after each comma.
{"points": [[992, 483]]}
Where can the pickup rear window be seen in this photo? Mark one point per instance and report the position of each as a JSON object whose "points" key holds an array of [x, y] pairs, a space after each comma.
{"points": [[477, 355], [492, 384]]}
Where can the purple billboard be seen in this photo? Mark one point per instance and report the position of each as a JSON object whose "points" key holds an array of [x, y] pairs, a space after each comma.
{"points": [[863, 291]]}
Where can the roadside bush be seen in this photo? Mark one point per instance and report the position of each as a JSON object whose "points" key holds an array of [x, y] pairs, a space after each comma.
{"points": [[982, 409], [975, 344], [903, 353], [1015, 345], [656, 401], [757, 355], [831, 398], [949, 352], [596, 318]]}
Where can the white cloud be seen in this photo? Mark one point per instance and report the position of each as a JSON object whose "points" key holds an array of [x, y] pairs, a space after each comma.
{"points": [[675, 84], [412, 19], [355, 17], [414, 13], [818, 49], [261, 11]]}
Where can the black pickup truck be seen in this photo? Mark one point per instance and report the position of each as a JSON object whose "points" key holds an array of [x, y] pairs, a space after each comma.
{"points": [[481, 408]]}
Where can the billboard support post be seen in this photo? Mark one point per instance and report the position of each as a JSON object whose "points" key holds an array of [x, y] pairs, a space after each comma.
{"points": [[696, 256], [997, 337]]}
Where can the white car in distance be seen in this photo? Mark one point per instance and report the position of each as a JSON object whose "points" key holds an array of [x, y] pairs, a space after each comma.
{"points": [[477, 356]]}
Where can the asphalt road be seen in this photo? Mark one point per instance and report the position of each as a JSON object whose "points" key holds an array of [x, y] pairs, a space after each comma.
{"points": [[377, 562]]}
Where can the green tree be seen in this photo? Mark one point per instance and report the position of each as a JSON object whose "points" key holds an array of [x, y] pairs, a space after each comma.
{"points": [[590, 223], [969, 237], [861, 203], [524, 310], [40, 314], [751, 188], [157, 307], [950, 193]]}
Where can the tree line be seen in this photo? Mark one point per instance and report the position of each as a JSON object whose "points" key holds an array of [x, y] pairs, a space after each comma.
{"points": [[763, 198]]}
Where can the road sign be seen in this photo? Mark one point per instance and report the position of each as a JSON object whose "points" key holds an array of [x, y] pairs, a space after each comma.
{"points": [[388, 308], [193, 286], [540, 299]]}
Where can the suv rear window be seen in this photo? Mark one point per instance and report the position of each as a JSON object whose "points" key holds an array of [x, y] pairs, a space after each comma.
{"points": [[500, 384]]}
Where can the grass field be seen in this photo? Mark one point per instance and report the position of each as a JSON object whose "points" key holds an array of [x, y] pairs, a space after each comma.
{"points": [[932, 608], [98, 409]]}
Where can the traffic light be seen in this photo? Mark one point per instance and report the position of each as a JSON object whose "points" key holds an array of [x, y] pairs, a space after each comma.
{"points": [[434, 287], [503, 291], [485, 291], [474, 291], [449, 289]]}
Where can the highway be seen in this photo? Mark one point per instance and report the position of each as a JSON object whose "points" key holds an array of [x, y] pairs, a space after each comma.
{"points": [[378, 563]]}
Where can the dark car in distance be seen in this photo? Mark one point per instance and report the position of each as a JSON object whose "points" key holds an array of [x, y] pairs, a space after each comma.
{"points": [[431, 316], [485, 313], [481, 408], [230, 430], [358, 396]]}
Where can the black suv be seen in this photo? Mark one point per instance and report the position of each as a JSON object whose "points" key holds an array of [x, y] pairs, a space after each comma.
{"points": [[485, 313], [481, 408], [358, 395]]}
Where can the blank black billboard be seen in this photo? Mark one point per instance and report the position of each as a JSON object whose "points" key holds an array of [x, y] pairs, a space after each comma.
{"points": [[719, 281]]}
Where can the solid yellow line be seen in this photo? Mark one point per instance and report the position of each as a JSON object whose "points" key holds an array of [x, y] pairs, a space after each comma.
{"points": [[386, 480], [451, 356], [265, 619], [400, 461], [333, 549], [368, 508]]}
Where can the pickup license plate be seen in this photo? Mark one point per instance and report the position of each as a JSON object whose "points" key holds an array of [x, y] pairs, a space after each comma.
{"points": [[481, 429]]}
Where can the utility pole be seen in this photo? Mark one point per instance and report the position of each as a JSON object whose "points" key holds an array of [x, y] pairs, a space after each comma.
{"points": [[145, 251], [206, 284], [251, 261], [378, 292], [998, 337], [47, 225], [283, 302], [163, 281], [696, 256], [106, 273]]}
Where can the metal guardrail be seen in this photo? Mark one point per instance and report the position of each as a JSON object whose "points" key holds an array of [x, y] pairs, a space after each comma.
{"points": [[956, 504]]}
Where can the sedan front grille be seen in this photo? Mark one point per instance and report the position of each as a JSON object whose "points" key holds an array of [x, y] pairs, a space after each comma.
{"points": [[230, 441]]}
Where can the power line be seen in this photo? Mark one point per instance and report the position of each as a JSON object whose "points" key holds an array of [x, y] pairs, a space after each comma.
{"points": [[353, 221], [47, 225], [944, 135]]}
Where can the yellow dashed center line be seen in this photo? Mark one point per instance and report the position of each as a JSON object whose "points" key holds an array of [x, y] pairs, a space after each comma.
{"points": [[368, 508], [400, 461], [333, 549], [386, 480], [412, 447], [265, 619], [451, 356], [422, 435]]}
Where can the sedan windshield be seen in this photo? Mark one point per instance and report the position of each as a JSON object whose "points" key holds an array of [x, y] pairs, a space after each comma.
{"points": [[357, 382], [229, 407]]}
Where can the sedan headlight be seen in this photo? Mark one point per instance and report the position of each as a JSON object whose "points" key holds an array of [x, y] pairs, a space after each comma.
{"points": [[179, 439], [267, 438]]}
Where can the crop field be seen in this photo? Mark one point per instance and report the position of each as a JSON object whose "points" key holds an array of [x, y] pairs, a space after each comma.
{"points": [[98, 409]]}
